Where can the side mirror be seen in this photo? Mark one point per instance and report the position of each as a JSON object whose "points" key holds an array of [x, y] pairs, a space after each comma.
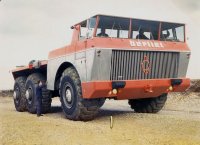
{"points": [[75, 27]]}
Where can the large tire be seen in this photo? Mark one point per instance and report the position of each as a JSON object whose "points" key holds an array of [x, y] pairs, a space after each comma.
{"points": [[31, 84], [73, 105], [19, 94], [148, 105], [46, 100]]}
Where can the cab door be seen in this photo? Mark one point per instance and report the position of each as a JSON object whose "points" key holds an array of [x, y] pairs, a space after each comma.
{"points": [[80, 53], [86, 32]]}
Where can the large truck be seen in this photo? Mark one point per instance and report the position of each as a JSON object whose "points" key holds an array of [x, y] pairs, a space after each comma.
{"points": [[109, 57]]}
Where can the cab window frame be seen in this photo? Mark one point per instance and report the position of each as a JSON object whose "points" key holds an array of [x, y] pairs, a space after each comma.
{"points": [[87, 28], [152, 29]]}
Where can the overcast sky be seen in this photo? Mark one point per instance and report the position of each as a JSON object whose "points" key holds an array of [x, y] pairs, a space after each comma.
{"points": [[29, 29]]}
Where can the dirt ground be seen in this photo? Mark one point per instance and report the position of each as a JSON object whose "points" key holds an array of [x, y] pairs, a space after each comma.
{"points": [[177, 124]]}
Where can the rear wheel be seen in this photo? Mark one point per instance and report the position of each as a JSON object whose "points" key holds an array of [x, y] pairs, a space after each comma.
{"points": [[73, 105], [31, 84], [19, 94], [148, 105]]}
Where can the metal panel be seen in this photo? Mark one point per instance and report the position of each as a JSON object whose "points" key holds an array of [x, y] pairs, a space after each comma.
{"points": [[80, 55], [183, 63], [100, 67], [52, 67], [90, 65], [121, 65], [90, 55], [127, 65], [54, 64]]}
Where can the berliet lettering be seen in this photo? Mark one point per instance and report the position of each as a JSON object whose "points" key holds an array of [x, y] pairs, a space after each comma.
{"points": [[146, 44]]}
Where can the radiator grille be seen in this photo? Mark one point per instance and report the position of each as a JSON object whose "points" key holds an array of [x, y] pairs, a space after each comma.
{"points": [[130, 65]]}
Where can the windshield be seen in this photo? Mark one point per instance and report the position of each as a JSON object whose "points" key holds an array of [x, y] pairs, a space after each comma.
{"points": [[113, 27], [142, 29], [116, 27]]}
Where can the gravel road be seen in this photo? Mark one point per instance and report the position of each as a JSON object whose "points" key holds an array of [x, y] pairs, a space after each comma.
{"points": [[177, 124]]}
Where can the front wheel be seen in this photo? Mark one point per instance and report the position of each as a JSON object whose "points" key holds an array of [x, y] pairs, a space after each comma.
{"points": [[73, 105], [148, 105]]}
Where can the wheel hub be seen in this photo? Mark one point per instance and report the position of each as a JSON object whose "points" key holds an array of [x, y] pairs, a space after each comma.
{"points": [[27, 95], [15, 95], [68, 95]]}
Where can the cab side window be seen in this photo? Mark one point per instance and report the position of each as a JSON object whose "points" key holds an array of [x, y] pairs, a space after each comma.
{"points": [[83, 31], [172, 32], [87, 29]]}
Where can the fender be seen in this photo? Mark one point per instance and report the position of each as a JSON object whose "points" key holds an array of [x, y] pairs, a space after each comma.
{"points": [[56, 66]]}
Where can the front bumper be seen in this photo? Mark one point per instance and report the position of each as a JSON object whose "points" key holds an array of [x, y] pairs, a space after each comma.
{"points": [[133, 89]]}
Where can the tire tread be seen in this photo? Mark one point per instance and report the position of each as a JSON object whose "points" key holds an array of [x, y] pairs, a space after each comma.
{"points": [[86, 109], [149, 105], [46, 94], [21, 82]]}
